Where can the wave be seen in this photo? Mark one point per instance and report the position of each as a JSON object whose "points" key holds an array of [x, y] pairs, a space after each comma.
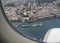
{"points": [[33, 25]]}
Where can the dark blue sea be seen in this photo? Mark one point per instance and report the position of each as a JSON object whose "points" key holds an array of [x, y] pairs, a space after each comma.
{"points": [[37, 30]]}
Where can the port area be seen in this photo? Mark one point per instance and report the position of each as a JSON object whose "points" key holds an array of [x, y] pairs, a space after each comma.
{"points": [[32, 11]]}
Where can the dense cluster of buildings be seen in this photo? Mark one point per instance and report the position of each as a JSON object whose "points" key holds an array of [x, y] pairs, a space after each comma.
{"points": [[33, 11]]}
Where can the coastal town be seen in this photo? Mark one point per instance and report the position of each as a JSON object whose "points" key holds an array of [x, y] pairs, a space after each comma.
{"points": [[33, 11]]}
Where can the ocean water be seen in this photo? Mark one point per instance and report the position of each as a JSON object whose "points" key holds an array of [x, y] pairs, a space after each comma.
{"points": [[37, 30]]}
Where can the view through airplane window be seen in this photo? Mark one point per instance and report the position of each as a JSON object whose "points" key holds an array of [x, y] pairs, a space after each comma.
{"points": [[33, 18]]}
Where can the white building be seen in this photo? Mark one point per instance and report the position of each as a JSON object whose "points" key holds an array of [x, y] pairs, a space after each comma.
{"points": [[58, 6]]}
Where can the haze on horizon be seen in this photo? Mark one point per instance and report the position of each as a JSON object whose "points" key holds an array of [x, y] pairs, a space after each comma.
{"points": [[27, 0]]}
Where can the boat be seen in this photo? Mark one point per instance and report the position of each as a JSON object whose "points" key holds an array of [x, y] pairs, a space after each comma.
{"points": [[23, 25], [40, 25], [34, 25]]}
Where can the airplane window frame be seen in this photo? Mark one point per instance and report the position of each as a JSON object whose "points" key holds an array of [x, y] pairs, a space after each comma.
{"points": [[12, 26]]}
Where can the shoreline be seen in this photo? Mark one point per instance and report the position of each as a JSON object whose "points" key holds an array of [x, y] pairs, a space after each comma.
{"points": [[42, 19]]}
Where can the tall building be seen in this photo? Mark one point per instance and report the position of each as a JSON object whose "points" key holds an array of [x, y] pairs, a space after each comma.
{"points": [[58, 6]]}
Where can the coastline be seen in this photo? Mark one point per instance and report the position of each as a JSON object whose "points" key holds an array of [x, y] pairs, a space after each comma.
{"points": [[42, 19]]}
